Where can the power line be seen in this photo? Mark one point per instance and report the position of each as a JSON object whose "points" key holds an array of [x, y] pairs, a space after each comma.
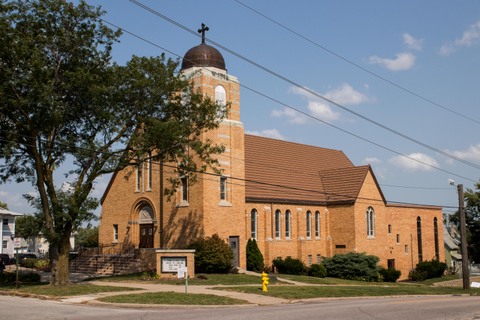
{"points": [[302, 112], [296, 84], [436, 104]]}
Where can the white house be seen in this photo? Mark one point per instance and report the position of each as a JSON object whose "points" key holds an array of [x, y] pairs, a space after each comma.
{"points": [[8, 230]]}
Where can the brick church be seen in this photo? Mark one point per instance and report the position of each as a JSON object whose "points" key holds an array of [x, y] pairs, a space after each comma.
{"points": [[296, 200]]}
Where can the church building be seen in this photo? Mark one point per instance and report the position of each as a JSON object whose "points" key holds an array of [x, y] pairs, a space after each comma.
{"points": [[296, 200]]}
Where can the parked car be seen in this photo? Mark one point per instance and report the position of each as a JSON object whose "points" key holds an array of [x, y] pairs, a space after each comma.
{"points": [[24, 256], [6, 258]]}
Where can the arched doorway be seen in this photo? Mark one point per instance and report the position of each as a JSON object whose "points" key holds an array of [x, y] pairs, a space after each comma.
{"points": [[146, 219]]}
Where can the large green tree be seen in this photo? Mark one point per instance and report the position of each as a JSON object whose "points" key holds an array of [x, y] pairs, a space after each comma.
{"points": [[472, 219], [64, 103]]}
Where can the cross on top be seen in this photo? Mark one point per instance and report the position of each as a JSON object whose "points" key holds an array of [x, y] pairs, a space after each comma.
{"points": [[202, 31]]}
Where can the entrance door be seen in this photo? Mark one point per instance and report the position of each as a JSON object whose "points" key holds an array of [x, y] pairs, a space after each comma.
{"points": [[234, 245], [146, 236]]}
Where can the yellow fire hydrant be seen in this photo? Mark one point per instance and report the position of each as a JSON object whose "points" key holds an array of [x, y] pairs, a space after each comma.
{"points": [[264, 281]]}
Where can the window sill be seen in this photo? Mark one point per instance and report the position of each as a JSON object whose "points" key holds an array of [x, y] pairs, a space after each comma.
{"points": [[183, 204], [224, 203]]}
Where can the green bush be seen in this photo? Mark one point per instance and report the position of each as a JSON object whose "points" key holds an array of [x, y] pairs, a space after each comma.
{"points": [[317, 270], [254, 256], [390, 275], [427, 270], [212, 255], [353, 266], [10, 277], [290, 266]]}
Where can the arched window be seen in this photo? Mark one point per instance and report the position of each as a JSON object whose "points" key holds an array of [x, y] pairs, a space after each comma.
{"points": [[317, 224], [370, 222], [220, 95], [253, 224], [277, 224], [435, 235], [419, 239], [309, 225], [287, 224]]}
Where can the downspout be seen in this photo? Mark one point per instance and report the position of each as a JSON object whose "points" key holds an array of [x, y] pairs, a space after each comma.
{"points": [[161, 232]]}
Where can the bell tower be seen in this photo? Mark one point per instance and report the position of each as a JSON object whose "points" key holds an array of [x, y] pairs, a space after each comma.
{"points": [[221, 197]]}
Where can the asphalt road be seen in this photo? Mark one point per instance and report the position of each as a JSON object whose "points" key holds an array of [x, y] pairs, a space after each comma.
{"points": [[399, 308]]}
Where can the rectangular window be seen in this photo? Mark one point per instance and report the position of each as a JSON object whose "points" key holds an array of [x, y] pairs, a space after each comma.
{"points": [[115, 232], [398, 238], [184, 181], [5, 244], [253, 224], [319, 259], [5, 222], [223, 188], [139, 177], [277, 224], [389, 229], [309, 260], [287, 224], [309, 224], [317, 224], [150, 171], [406, 249]]}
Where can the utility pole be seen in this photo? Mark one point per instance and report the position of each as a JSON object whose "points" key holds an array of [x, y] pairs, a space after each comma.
{"points": [[463, 236]]}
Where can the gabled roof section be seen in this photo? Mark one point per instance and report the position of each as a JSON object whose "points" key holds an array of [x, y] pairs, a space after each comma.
{"points": [[287, 172], [8, 212], [343, 185]]}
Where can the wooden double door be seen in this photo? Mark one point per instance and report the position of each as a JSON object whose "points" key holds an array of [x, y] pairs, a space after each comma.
{"points": [[146, 235]]}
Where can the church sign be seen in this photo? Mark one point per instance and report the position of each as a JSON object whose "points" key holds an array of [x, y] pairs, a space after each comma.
{"points": [[173, 264]]}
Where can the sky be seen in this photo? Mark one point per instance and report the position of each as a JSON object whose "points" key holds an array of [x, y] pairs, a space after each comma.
{"points": [[403, 76]]}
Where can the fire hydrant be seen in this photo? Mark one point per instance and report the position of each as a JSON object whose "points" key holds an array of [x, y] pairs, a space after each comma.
{"points": [[264, 281]]}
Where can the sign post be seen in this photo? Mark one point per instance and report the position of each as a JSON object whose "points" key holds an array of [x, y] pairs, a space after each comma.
{"points": [[16, 245]]}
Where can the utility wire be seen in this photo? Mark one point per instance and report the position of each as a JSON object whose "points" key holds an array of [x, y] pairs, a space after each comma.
{"points": [[357, 65], [312, 92], [300, 111]]}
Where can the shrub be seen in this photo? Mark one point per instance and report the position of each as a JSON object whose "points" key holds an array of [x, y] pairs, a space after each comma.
{"points": [[353, 266], [254, 256], [390, 275], [290, 266], [427, 270], [10, 277], [212, 255], [317, 270]]}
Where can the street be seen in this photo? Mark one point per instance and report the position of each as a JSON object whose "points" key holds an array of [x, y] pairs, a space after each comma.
{"points": [[398, 308]]}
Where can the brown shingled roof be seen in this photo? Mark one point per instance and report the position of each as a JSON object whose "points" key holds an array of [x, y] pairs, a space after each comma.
{"points": [[282, 171], [344, 184]]}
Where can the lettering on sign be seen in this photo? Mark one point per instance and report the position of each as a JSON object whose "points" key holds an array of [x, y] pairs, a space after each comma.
{"points": [[173, 264]]}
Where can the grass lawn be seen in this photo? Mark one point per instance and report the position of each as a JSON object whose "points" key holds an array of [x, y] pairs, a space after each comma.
{"points": [[62, 291], [207, 280], [172, 298], [306, 292]]}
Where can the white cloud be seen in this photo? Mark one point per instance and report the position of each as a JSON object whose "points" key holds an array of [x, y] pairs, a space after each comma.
{"points": [[471, 154], [412, 43], [344, 94], [371, 160], [295, 117], [402, 61], [268, 133], [415, 162], [470, 37]]}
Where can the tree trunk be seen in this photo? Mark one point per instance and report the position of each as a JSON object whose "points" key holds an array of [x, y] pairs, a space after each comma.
{"points": [[60, 274]]}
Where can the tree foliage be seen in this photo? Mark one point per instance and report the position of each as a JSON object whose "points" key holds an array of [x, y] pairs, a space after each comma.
{"points": [[64, 103], [472, 219], [353, 266], [290, 266], [28, 227], [86, 237], [3, 205], [254, 256], [212, 255]]}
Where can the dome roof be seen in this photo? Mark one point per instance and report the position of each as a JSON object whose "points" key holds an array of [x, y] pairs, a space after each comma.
{"points": [[203, 55]]}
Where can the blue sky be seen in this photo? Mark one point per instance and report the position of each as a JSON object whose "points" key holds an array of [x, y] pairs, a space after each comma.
{"points": [[410, 66]]}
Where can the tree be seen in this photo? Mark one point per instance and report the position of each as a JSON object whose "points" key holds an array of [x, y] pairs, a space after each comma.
{"points": [[472, 218], [65, 104], [86, 237], [3, 205], [27, 227], [254, 256]]}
